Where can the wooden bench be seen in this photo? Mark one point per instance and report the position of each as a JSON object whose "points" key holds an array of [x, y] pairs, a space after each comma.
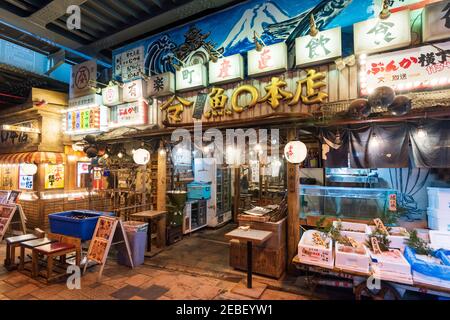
{"points": [[30, 245], [11, 244]]}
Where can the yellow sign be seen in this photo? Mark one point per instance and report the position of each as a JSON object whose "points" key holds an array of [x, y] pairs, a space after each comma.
{"points": [[54, 176]]}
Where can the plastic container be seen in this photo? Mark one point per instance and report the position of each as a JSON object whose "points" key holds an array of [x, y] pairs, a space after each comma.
{"points": [[352, 261], [199, 191], [65, 223], [137, 239], [360, 231], [438, 198], [435, 223], [315, 255], [397, 242]]}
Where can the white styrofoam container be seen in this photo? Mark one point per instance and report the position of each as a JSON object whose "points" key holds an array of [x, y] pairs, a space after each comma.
{"points": [[438, 198], [440, 239], [421, 278], [397, 242], [360, 236], [391, 266], [441, 224], [310, 254], [352, 261], [439, 213]]}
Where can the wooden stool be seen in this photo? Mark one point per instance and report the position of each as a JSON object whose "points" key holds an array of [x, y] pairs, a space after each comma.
{"points": [[31, 245], [53, 250], [11, 244]]}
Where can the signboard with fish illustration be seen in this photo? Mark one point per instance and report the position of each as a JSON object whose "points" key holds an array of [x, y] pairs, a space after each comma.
{"points": [[274, 22]]}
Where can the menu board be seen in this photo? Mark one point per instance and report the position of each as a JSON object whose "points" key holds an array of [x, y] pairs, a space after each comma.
{"points": [[6, 214], [54, 176], [130, 64]]}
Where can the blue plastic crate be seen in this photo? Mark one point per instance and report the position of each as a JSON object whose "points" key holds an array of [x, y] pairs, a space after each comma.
{"points": [[63, 223], [199, 191]]}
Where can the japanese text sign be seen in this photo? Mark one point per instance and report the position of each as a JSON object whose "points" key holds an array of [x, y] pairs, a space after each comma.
{"points": [[130, 64], [82, 79], [26, 182], [421, 67], [325, 46], [436, 21], [135, 113], [161, 85], [112, 95], [375, 35], [270, 59], [192, 77], [54, 176], [134, 90], [227, 69]]}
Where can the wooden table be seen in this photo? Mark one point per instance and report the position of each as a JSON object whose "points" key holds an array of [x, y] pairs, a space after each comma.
{"points": [[150, 215], [250, 236]]}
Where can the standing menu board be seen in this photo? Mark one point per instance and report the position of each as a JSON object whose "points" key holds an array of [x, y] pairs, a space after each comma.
{"points": [[107, 230], [6, 214]]}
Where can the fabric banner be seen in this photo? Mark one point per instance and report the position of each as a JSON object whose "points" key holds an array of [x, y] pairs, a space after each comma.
{"points": [[335, 147], [430, 144], [379, 146]]}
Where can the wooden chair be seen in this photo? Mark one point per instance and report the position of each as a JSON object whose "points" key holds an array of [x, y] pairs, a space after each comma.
{"points": [[11, 244], [31, 245]]}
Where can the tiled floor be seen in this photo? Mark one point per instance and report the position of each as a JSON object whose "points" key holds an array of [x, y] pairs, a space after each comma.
{"points": [[194, 268]]}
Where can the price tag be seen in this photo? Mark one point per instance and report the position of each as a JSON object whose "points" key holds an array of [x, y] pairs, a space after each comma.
{"points": [[375, 245], [380, 225]]}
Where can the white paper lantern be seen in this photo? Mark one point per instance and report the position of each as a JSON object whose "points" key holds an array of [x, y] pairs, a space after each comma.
{"points": [[28, 169], [295, 151], [141, 156]]}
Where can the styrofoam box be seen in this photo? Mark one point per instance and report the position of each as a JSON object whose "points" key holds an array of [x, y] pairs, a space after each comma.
{"points": [[352, 261], [421, 278], [440, 239], [438, 198], [310, 254], [358, 236], [392, 263], [397, 242], [441, 224]]}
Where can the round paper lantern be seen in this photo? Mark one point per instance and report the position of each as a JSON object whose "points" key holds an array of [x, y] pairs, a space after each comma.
{"points": [[28, 169], [381, 97], [295, 151], [359, 108], [400, 106], [91, 152], [141, 156]]}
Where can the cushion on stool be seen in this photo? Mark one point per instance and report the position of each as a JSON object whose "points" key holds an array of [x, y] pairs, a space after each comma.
{"points": [[35, 243], [22, 238], [54, 247]]}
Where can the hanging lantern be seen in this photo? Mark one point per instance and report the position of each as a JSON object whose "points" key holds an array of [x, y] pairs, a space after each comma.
{"points": [[381, 97], [141, 156], [295, 151], [359, 108], [400, 106], [28, 169]]}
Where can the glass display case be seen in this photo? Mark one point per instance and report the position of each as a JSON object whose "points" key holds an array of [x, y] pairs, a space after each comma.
{"points": [[343, 202]]}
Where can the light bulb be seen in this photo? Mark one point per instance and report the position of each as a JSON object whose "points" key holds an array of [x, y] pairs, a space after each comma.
{"points": [[120, 155], [421, 133]]}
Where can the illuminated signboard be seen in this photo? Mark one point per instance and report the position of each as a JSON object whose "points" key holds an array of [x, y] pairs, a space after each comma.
{"points": [[191, 77], [54, 176], [129, 65], [375, 35], [422, 67], [129, 114], [161, 85], [227, 69], [86, 115], [134, 90], [112, 95], [270, 59], [436, 21], [26, 182], [82, 168], [82, 79], [323, 47]]}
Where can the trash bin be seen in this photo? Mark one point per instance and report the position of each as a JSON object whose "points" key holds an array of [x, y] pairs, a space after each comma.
{"points": [[137, 239]]}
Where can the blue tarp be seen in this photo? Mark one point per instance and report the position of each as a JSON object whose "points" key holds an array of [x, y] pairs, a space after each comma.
{"points": [[427, 268]]}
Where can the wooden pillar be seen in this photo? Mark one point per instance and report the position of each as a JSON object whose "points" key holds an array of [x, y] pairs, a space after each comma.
{"points": [[237, 192], [293, 198], [162, 180]]}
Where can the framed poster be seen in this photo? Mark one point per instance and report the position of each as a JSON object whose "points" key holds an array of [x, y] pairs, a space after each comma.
{"points": [[54, 176], [26, 182], [14, 196], [82, 168]]}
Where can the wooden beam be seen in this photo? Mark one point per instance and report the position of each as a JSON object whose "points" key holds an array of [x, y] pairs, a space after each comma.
{"points": [[162, 182], [293, 223], [237, 192]]}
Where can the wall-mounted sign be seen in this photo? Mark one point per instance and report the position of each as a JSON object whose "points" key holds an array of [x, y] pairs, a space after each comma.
{"points": [[112, 95], [82, 168], [91, 100], [436, 21], [129, 65], [375, 35], [86, 120], [199, 105], [82, 79], [324, 47], [421, 67], [134, 90], [227, 69], [54, 176], [11, 140], [129, 114], [26, 182], [161, 85], [270, 59], [191, 78]]}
